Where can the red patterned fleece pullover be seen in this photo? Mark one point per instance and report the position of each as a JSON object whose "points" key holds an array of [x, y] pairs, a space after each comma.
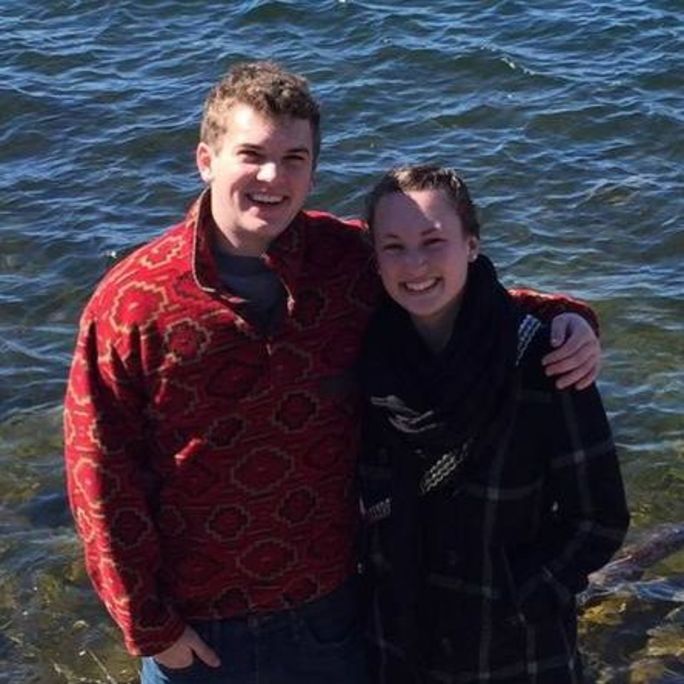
{"points": [[210, 468]]}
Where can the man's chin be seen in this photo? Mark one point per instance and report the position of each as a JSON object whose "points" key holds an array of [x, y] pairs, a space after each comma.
{"points": [[264, 232], [271, 228]]}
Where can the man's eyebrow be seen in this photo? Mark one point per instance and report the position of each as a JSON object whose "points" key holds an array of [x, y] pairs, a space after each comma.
{"points": [[260, 148], [299, 150]]}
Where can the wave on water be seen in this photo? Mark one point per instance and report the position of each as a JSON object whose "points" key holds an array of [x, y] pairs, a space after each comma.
{"points": [[566, 120]]}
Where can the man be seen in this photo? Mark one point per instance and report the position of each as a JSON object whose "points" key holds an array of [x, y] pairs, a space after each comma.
{"points": [[211, 419]]}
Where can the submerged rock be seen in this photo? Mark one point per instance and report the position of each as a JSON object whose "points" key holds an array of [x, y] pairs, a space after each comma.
{"points": [[635, 559]]}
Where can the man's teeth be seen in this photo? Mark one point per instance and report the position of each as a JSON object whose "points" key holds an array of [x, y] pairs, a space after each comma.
{"points": [[266, 199], [421, 286]]}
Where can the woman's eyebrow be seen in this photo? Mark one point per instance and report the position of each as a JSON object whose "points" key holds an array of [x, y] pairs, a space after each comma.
{"points": [[423, 232]]}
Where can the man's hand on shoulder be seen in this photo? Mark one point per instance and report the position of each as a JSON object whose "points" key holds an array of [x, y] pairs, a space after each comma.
{"points": [[183, 651], [577, 358]]}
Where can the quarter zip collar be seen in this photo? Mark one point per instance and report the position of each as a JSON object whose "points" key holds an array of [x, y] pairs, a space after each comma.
{"points": [[284, 255]]}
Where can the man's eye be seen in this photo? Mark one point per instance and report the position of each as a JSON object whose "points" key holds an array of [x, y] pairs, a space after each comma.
{"points": [[434, 242], [249, 155], [296, 158]]}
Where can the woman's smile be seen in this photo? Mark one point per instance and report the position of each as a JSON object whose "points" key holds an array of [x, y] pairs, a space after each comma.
{"points": [[421, 286]]}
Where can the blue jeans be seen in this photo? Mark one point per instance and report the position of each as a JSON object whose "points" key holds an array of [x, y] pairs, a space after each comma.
{"points": [[317, 643]]}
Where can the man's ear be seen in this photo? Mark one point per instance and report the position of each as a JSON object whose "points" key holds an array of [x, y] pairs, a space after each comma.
{"points": [[204, 157]]}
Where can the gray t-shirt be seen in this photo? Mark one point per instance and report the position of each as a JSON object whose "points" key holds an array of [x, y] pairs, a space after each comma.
{"points": [[261, 289]]}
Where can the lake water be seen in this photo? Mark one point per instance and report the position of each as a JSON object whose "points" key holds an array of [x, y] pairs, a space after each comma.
{"points": [[566, 118]]}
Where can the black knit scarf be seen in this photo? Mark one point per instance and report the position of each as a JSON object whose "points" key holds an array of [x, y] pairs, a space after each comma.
{"points": [[425, 404]]}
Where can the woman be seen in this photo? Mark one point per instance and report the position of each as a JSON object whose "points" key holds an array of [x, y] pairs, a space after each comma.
{"points": [[490, 495]]}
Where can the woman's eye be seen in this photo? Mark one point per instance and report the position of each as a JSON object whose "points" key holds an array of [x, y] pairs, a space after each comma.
{"points": [[391, 248]]}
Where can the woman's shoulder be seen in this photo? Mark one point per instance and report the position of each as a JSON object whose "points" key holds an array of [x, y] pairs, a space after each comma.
{"points": [[534, 342], [386, 329]]}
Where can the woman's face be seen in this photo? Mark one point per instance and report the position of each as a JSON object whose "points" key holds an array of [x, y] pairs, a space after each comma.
{"points": [[423, 254]]}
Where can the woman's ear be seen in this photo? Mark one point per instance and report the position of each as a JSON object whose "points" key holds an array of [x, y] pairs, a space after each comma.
{"points": [[473, 248]]}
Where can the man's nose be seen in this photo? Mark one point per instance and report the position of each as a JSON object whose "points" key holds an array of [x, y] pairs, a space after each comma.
{"points": [[267, 171]]}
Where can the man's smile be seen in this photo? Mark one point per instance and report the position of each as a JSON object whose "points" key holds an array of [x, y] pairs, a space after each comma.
{"points": [[265, 198]]}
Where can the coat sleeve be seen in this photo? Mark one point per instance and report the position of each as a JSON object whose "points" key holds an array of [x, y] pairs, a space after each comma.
{"points": [[586, 510], [547, 306], [108, 483]]}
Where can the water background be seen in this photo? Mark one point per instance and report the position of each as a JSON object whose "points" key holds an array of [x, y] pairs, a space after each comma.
{"points": [[566, 118]]}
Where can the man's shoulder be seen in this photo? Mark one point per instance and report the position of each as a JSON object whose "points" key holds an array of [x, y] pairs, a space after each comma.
{"points": [[146, 269], [348, 238], [165, 248], [329, 221]]}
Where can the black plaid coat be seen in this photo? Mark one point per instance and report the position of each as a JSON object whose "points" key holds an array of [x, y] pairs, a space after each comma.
{"points": [[507, 549]]}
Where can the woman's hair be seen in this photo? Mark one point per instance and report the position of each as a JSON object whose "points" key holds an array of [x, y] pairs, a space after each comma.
{"points": [[267, 88], [418, 177]]}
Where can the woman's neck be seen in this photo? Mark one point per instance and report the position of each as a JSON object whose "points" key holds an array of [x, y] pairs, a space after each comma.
{"points": [[436, 330]]}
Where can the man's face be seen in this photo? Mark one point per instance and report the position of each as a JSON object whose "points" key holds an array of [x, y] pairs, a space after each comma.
{"points": [[259, 177]]}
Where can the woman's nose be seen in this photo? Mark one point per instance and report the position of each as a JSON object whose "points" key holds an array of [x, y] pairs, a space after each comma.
{"points": [[414, 258]]}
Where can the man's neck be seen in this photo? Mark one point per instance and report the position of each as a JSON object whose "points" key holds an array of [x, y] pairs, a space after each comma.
{"points": [[237, 243]]}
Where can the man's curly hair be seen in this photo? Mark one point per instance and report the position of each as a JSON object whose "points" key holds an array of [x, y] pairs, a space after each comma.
{"points": [[267, 88]]}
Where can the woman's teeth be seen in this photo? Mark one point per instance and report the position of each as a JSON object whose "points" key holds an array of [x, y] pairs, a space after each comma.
{"points": [[421, 286]]}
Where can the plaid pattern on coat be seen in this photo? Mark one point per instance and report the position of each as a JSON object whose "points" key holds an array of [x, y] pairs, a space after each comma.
{"points": [[507, 547]]}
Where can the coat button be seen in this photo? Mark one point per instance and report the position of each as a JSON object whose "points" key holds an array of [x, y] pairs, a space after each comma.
{"points": [[516, 620]]}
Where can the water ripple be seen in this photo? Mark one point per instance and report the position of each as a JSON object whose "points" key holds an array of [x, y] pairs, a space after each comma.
{"points": [[567, 121]]}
